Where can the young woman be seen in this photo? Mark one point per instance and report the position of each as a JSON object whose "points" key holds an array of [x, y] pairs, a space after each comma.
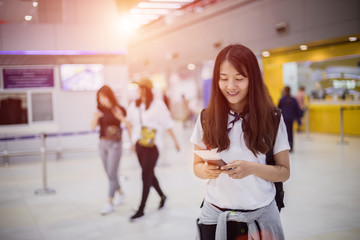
{"points": [[149, 117], [109, 116], [240, 125]]}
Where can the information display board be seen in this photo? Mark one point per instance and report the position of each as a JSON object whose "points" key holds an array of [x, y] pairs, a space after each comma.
{"points": [[28, 77]]}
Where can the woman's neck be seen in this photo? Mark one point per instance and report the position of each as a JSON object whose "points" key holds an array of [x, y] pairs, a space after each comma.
{"points": [[237, 108], [108, 107]]}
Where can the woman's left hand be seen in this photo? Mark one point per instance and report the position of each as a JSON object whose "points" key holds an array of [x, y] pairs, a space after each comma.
{"points": [[238, 169]]}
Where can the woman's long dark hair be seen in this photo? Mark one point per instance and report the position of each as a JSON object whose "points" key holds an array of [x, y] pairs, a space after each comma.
{"points": [[107, 92], [149, 96], [259, 109]]}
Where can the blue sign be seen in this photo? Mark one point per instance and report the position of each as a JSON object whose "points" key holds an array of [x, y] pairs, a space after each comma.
{"points": [[28, 77]]}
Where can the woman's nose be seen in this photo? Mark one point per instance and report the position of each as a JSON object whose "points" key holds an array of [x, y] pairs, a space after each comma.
{"points": [[231, 84]]}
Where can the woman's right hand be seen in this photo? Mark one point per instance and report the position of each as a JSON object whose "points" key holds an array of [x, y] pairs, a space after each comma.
{"points": [[211, 171], [95, 120], [97, 115]]}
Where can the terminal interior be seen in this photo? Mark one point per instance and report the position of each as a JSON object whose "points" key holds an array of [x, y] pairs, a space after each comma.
{"points": [[55, 55]]}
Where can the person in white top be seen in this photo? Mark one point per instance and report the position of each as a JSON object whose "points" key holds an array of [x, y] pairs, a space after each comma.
{"points": [[149, 117], [240, 125]]}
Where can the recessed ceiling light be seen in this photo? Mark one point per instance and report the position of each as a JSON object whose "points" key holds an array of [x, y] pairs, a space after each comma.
{"points": [[303, 47], [191, 66], [35, 3], [265, 54], [352, 39], [28, 18]]}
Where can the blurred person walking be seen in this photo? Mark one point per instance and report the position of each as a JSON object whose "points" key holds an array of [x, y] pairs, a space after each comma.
{"points": [[186, 110], [291, 111], [149, 117], [243, 127], [109, 117], [300, 98]]}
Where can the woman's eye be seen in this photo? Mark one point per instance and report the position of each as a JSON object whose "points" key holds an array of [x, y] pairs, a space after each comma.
{"points": [[223, 79]]}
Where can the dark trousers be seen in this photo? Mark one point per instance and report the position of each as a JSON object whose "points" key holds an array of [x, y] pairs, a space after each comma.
{"points": [[147, 158], [289, 128], [235, 231]]}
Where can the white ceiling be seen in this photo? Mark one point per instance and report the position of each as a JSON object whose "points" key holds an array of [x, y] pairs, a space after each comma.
{"points": [[71, 11]]}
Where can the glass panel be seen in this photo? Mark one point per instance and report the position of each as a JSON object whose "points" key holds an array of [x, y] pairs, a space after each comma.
{"points": [[13, 108], [331, 79], [42, 107]]}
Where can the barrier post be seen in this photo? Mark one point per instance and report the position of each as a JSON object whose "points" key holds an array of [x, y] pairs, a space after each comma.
{"points": [[6, 158], [307, 120], [6, 154], [45, 189], [342, 126]]}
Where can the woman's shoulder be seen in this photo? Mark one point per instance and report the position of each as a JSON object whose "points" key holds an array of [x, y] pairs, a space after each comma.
{"points": [[276, 111], [158, 103]]}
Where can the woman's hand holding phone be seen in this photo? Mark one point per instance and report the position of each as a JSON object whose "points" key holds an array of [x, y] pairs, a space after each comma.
{"points": [[238, 169], [212, 171]]}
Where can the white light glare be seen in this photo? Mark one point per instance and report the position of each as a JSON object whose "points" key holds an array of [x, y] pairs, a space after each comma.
{"points": [[303, 47], [159, 5], [191, 66], [28, 18], [182, 1], [35, 3], [265, 54], [128, 25], [149, 11], [352, 39], [144, 17]]}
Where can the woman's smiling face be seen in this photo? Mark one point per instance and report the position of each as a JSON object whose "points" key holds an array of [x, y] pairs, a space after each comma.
{"points": [[234, 86]]}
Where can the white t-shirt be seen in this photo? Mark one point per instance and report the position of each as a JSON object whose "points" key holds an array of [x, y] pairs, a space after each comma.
{"points": [[157, 116], [250, 192]]}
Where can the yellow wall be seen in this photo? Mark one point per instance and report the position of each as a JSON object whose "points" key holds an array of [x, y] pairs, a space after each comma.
{"points": [[322, 118], [326, 118]]}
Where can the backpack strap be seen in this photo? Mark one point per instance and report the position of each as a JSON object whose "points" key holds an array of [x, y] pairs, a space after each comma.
{"points": [[270, 160]]}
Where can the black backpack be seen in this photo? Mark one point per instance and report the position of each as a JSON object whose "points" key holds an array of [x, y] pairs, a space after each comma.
{"points": [[279, 196]]}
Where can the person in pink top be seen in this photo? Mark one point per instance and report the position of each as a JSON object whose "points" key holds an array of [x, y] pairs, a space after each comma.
{"points": [[300, 98]]}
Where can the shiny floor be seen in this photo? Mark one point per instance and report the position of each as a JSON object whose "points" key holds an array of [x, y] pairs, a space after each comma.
{"points": [[322, 196]]}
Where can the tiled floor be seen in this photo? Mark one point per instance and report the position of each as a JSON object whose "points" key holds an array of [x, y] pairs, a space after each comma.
{"points": [[322, 196]]}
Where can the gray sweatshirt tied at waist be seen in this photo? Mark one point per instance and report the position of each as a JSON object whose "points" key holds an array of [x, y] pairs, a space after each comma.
{"points": [[268, 218]]}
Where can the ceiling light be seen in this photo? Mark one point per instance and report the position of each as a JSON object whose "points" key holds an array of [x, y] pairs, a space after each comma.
{"points": [[35, 3], [266, 54], [303, 47], [191, 66], [352, 39], [159, 5], [28, 18]]}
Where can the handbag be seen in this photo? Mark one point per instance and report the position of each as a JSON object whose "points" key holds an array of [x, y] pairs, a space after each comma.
{"points": [[113, 132], [147, 135]]}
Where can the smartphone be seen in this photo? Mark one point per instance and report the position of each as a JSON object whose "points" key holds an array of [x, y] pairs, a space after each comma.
{"points": [[210, 157], [218, 162]]}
